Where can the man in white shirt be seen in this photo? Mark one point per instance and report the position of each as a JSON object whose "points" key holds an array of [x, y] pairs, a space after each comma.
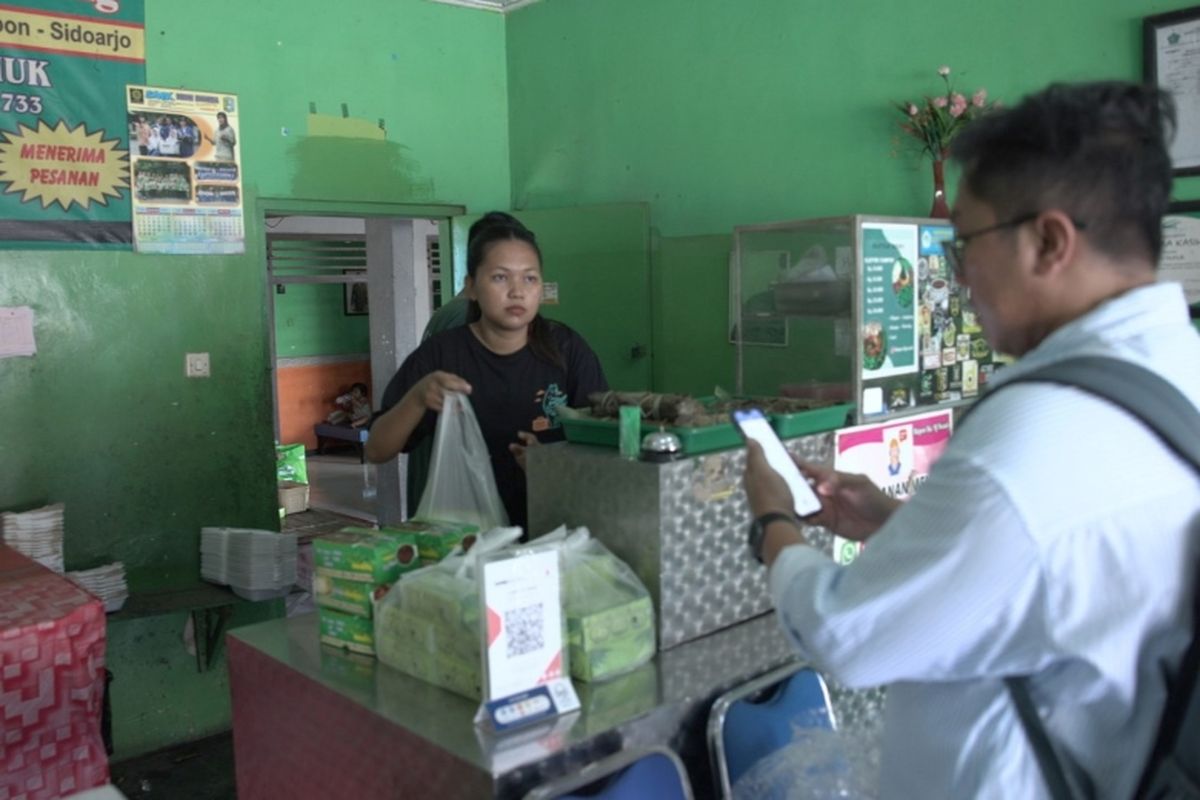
{"points": [[1053, 538]]}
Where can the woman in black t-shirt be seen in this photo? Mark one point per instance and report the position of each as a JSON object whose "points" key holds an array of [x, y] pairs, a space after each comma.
{"points": [[517, 367]]}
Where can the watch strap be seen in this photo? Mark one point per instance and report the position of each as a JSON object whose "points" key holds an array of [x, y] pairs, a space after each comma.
{"points": [[758, 530]]}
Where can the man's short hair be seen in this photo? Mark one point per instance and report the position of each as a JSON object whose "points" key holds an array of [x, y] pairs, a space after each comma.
{"points": [[1097, 151]]}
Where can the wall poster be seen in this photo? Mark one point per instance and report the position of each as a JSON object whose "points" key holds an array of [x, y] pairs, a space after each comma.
{"points": [[64, 166], [896, 455], [187, 174]]}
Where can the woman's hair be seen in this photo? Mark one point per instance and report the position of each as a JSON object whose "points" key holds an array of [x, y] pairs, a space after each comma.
{"points": [[493, 227]]}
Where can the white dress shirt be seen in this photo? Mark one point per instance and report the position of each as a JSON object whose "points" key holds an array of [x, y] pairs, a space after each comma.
{"points": [[1051, 538]]}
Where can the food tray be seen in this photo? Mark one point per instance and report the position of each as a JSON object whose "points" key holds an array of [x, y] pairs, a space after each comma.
{"points": [[694, 441], [829, 418]]}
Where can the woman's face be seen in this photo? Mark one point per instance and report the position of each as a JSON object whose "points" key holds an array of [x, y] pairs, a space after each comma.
{"points": [[508, 284]]}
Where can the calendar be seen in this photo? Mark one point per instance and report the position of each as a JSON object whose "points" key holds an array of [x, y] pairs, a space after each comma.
{"points": [[186, 169]]}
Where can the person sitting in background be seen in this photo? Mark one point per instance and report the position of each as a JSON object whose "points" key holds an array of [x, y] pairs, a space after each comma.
{"points": [[1036, 547], [353, 408]]}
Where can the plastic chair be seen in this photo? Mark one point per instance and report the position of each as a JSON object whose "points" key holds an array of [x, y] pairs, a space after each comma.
{"points": [[629, 775], [753, 720]]}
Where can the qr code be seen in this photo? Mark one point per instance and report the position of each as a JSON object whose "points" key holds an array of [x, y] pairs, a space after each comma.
{"points": [[524, 626]]}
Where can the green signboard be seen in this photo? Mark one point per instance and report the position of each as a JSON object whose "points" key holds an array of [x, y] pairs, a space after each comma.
{"points": [[64, 133]]}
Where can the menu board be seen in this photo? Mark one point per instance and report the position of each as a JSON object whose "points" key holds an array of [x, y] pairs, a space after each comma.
{"points": [[951, 359], [889, 318]]}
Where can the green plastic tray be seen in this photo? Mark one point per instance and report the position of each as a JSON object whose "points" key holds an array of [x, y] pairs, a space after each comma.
{"points": [[694, 441], [789, 426]]}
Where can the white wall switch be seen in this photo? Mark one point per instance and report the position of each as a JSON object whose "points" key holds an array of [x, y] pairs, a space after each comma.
{"points": [[196, 365]]}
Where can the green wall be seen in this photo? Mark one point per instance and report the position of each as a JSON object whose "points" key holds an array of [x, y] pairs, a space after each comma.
{"points": [[103, 418], [310, 320], [715, 114], [721, 114]]}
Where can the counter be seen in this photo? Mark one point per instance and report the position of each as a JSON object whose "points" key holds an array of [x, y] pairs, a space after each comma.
{"points": [[310, 721]]}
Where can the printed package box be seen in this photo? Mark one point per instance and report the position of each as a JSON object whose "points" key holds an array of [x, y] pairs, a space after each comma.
{"points": [[438, 538], [346, 630], [611, 641], [365, 555], [349, 596]]}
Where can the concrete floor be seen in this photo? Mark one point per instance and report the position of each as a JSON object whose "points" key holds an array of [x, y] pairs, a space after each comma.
{"points": [[200, 770], [340, 483]]}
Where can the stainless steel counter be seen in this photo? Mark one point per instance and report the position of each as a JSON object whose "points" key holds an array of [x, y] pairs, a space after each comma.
{"points": [[279, 671]]}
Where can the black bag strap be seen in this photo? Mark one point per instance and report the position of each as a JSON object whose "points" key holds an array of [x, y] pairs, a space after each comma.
{"points": [[1176, 421]]}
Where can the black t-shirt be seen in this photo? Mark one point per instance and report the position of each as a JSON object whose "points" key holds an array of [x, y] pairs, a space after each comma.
{"points": [[510, 393]]}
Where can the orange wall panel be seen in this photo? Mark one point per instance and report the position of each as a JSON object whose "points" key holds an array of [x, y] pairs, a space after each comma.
{"points": [[306, 394]]}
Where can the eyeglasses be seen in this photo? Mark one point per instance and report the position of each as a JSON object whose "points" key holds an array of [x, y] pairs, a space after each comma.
{"points": [[955, 249]]}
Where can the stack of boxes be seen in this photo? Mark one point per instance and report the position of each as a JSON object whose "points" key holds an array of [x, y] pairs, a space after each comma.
{"points": [[355, 568]]}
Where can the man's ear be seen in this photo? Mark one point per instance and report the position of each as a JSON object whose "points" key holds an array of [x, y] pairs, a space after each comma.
{"points": [[1057, 240]]}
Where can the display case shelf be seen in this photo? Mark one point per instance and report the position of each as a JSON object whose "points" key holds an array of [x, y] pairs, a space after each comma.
{"points": [[863, 302]]}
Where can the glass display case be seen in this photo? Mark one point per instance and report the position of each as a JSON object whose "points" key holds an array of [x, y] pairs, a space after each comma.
{"points": [[856, 308]]}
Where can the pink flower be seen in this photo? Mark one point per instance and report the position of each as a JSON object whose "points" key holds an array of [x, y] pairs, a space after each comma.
{"points": [[958, 104], [939, 102], [912, 109], [979, 98], [944, 71]]}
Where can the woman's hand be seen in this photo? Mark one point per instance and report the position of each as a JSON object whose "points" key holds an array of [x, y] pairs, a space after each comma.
{"points": [[518, 448], [431, 390]]}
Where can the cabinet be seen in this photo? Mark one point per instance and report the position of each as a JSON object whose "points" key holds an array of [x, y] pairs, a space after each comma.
{"points": [[858, 308]]}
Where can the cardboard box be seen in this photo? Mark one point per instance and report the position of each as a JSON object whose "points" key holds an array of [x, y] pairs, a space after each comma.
{"points": [[356, 634], [438, 538], [348, 596], [369, 556], [293, 497]]}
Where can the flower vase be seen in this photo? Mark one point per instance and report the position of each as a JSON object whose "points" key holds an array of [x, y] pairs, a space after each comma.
{"points": [[940, 210]]}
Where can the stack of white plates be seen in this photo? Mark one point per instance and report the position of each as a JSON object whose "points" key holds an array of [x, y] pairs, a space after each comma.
{"points": [[107, 583], [37, 534], [256, 564]]}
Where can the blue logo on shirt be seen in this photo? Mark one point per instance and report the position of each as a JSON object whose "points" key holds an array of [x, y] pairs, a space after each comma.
{"points": [[552, 400]]}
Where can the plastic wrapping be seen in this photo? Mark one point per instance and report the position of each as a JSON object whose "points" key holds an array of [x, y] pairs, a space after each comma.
{"points": [[461, 486], [818, 764], [610, 617], [428, 624], [290, 464]]}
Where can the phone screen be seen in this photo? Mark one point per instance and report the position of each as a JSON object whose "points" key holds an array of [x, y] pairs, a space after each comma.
{"points": [[754, 425]]}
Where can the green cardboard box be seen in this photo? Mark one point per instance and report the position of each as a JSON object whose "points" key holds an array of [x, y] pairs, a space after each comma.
{"points": [[348, 596], [438, 538], [346, 630], [369, 556]]}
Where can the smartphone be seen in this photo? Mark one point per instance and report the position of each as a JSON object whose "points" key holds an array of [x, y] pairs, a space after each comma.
{"points": [[754, 425]]}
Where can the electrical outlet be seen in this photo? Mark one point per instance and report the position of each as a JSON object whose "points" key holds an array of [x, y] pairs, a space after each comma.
{"points": [[195, 365]]}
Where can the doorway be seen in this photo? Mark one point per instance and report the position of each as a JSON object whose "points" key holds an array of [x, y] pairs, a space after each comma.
{"points": [[348, 295]]}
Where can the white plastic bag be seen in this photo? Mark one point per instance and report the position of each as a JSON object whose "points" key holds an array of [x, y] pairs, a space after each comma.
{"points": [[610, 618], [461, 486], [428, 624]]}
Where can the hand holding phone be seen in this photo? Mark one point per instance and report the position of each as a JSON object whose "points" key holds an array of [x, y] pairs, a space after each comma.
{"points": [[754, 425]]}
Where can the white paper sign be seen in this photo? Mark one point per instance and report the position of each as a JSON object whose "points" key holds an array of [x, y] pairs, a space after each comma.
{"points": [[16, 332], [524, 623], [1180, 262]]}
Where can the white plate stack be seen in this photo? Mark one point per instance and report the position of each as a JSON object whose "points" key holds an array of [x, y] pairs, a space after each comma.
{"points": [[257, 565], [107, 583], [37, 534]]}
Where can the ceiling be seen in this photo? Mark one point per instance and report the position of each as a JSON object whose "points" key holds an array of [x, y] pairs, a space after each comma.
{"points": [[503, 6]]}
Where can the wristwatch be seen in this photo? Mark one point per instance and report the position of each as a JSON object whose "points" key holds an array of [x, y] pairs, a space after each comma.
{"points": [[758, 531]]}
